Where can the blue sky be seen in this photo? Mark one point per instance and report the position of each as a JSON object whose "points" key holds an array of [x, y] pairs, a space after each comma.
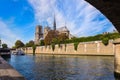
{"points": [[18, 18]]}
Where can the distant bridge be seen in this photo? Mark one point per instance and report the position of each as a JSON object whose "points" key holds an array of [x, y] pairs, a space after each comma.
{"points": [[5, 52]]}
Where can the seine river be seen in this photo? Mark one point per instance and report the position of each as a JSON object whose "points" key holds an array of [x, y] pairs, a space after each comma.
{"points": [[61, 67]]}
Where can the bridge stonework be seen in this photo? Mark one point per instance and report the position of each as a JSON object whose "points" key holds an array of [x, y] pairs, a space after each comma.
{"points": [[111, 9], [117, 58]]}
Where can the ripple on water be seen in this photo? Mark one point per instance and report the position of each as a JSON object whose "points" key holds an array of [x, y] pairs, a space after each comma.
{"points": [[47, 67]]}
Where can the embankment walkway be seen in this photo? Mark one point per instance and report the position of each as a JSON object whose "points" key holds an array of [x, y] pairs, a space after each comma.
{"points": [[7, 72]]}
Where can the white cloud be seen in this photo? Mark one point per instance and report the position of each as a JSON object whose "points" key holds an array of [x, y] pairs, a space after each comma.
{"points": [[82, 19], [7, 35], [43, 9]]}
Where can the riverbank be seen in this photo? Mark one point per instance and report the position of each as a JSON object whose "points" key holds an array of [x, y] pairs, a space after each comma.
{"points": [[72, 54], [84, 48], [7, 72]]}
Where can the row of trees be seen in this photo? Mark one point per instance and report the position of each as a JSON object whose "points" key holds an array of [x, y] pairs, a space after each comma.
{"points": [[50, 39], [53, 39], [103, 37], [20, 44]]}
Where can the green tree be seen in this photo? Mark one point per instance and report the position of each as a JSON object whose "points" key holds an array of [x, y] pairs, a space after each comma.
{"points": [[94, 38], [53, 46], [19, 44], [13, 47], [65, 46], [76, 45], [42, 43], [62, 37], [30, 43], [4, 45], [105, 41], [55, 41], [34, 48], [50, 36]]}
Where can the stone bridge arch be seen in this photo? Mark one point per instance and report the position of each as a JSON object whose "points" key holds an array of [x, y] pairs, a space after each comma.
{"points": [[110, 8]]}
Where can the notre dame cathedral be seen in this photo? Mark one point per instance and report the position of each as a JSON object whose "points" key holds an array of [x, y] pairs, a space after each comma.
{"points": [[40, 35]]}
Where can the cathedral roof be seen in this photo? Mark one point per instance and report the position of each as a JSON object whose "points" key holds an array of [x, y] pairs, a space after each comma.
{"points": [[63, 29], [47, 27]]}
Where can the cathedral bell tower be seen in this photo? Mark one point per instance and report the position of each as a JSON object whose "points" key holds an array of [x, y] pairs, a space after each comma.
{"points": [[38, 34]]}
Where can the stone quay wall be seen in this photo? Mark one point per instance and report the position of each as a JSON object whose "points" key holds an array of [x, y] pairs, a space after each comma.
{"points": [[7, 72], [84, 48]]}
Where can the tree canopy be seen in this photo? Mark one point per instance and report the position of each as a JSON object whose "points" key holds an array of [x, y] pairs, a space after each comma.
{"points": [[62, 39], [30, 43], [42, 43], [50, 36], [19, 44], [4, 45], [55, 37]]}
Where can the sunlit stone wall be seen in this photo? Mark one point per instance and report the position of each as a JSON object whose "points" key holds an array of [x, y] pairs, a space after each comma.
{"points": [[117, 58], [84, 48]]}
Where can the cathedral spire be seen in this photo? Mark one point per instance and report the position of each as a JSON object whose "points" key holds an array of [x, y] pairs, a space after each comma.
{"points": [[54, 25]]}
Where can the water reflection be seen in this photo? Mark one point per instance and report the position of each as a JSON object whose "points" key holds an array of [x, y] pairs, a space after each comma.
{"points": [[48, 67]]}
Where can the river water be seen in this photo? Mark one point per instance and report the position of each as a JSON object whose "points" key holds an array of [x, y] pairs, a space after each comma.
{"points": [[61, 67]]}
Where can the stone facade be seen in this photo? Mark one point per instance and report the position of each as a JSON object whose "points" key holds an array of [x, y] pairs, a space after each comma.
{"points": [[38, 34], [64, 30], [58, 30], [46, 30], [41, 35], [117, 58]]}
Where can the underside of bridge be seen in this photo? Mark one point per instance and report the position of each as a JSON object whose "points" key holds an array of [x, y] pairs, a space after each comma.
{"points": [[110, 8]]}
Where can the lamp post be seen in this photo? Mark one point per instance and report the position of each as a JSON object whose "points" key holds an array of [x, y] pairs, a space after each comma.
{"points": [[0, 43]]}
